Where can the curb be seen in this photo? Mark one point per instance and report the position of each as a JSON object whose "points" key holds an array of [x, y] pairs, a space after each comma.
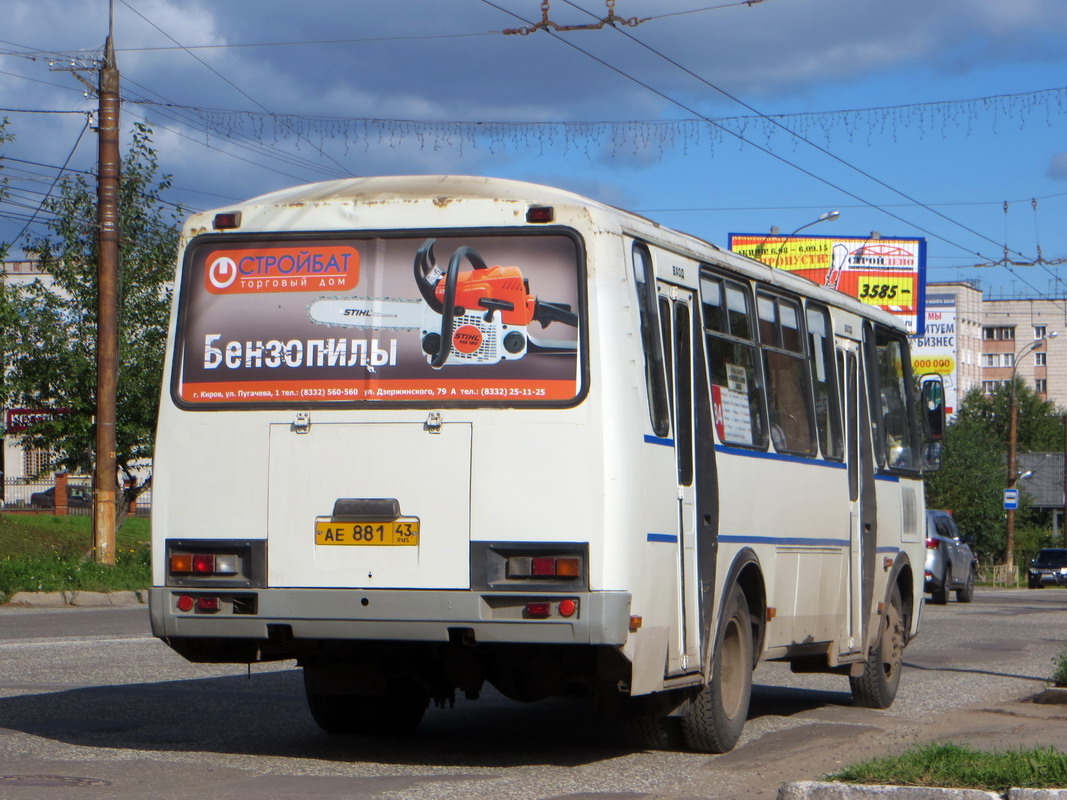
{"points": [[816, 790], [78, 599]]}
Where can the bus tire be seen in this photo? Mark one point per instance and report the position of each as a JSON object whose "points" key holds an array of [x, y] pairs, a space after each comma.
{"points": [[716, 715], [658, 732], [877, 686], [396, 713]]}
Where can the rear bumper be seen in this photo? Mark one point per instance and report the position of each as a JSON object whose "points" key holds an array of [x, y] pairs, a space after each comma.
{"points": [[304, 616]]}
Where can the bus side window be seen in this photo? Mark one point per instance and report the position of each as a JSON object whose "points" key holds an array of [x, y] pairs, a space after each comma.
{"points": [[737, 392], [824, 383], [655, 374], [785, 365], [896, 436]]}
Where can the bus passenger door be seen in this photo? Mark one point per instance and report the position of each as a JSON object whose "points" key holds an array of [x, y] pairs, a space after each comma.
{"points": [[862, 507], [676, 319]]}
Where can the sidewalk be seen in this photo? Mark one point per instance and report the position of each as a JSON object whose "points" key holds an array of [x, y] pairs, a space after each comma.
{"points": [[82, 599]]}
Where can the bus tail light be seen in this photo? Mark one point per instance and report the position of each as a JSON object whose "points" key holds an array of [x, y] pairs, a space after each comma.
{"points": [[216, 562], [530, 566], [544, 567], [203, 564]]}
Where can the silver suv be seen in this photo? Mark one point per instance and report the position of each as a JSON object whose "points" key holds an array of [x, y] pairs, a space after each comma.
{"points": [[1049, 568], [950, 562]]}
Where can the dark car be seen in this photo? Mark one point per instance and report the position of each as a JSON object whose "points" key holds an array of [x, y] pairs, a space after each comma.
{"points": [[1049, 568], [950, 563], [77, 497]]}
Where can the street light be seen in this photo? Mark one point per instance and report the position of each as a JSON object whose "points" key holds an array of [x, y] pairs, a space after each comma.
{"points": [[827, 216], [1013, 435]]}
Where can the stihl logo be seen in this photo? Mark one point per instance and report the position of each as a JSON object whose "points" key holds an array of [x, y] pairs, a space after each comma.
{"points": [[467, 339], [281, 269]]}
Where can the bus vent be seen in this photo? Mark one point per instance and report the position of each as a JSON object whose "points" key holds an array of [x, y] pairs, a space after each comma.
{"points": [[908, 512]]}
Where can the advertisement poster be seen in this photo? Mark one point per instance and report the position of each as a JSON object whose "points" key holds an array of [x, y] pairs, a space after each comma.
{"points": [[331, 320], [888, 273], [935, 351]]}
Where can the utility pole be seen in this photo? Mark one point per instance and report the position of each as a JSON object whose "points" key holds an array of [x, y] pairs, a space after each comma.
{"points": [[105, 478]]}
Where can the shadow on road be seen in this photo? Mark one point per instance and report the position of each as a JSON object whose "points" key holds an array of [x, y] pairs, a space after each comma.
{"points": [[266, 715]]}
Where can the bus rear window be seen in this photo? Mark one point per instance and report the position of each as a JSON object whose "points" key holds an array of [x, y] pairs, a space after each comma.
{"points": [[330, 320]]}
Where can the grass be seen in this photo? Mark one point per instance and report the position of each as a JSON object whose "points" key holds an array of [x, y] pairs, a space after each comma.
{"points": [[956, 767], [45, 553]]}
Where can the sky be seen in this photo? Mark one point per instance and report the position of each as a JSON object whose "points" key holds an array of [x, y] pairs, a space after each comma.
{"points": [[945, 120]]}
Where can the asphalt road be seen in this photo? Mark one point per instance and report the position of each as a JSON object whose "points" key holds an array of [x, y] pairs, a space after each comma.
{"points": [[92, 707]]}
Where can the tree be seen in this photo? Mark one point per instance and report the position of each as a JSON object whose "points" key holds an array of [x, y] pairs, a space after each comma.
{"points": [[51, 345], [974, 470]]}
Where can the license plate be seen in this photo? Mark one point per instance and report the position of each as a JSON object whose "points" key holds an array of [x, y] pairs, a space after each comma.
{"points": [[400, 532]]}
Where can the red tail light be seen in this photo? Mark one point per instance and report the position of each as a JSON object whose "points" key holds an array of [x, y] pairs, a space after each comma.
{"points": [[931, 544]]}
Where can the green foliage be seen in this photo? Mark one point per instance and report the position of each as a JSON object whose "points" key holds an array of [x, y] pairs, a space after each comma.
{"points": [[50, 346], [1029, 538], [974, 471], [1039, 427], [45, 553], [953, 766], [970, 483], [58, 573]]}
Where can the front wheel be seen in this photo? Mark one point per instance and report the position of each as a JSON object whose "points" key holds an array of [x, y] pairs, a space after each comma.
{"points": [[966, 594], [716, 715], [877, 686]]}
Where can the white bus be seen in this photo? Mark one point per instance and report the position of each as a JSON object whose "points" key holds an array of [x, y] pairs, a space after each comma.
{"points": [[422, 434]]}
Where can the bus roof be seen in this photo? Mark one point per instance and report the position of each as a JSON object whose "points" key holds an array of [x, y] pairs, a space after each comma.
{"points": [[442, 189]]}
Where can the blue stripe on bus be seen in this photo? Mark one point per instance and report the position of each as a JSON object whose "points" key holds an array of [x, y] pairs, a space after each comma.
{"points": [[671, 538], [814, 462], [783, 540], [659, 440]]}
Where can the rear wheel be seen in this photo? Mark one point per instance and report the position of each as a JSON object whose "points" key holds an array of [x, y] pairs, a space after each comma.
{"points": [[966, 594], [940, 595], [715, 717], [877, 686], [396, 713]]}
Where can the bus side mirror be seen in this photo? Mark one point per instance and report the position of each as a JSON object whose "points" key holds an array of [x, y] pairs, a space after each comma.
{"points": [[932, 417]]}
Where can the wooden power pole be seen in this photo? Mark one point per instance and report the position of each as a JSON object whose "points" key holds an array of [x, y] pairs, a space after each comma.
{"points": [[107, 270]]}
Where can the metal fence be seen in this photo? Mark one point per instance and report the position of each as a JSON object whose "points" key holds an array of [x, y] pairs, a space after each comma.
{"points": [[20, 494]]}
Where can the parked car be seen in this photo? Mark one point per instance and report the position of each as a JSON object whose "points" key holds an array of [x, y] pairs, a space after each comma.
{"points": [[950, 563], [77, 497], [1049, 567]]}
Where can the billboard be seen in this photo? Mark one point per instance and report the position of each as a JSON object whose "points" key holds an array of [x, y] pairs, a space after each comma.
{"points": [[886, 272], [935, 351], [346, 318]]}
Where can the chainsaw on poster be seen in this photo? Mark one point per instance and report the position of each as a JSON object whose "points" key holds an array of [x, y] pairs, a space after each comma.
{"points": [[477, 316]]}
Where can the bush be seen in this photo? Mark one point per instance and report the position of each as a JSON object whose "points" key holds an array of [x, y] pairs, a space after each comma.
{"points": [[1059, 677]]}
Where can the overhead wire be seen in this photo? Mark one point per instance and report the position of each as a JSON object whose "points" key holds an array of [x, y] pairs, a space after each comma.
{"points": [[750, 143], [230, 83], [794, 134]]}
